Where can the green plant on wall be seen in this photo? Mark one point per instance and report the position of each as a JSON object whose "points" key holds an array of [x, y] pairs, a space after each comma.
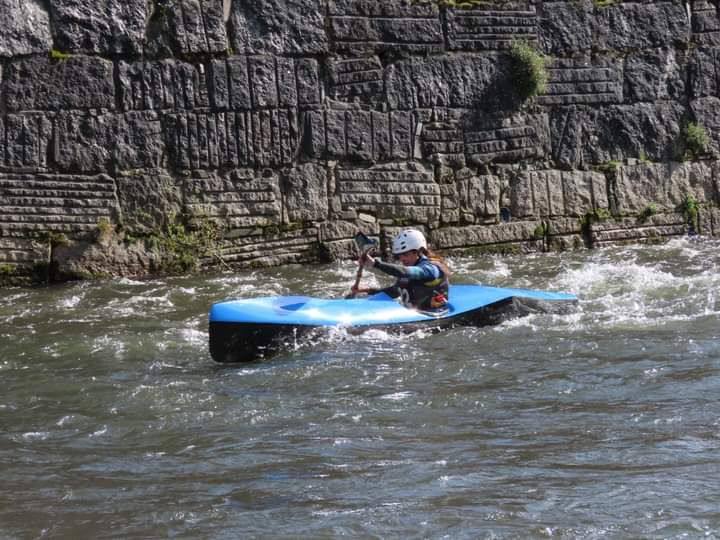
{"points": [[690, 208], [696, 140], [649, 210], [59, 55], [182, 247], [105, 230], [608, 167], [529, 71], [541, 231]]}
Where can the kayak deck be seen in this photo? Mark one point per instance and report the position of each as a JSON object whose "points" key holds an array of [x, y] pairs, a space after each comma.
{"points": [[252, 328]]}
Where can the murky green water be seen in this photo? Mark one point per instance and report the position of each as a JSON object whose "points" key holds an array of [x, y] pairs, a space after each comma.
{"points": [[115, 422]]}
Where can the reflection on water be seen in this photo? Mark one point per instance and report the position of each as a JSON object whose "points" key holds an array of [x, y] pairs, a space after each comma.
{"points": [[605, 422]]}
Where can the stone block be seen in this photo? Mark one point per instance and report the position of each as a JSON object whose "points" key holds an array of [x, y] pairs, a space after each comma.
{"points": [[238, 198], [282, 27], [85, 142], [26, 141], [163, 85], [701, 68], [70, 204], [583, 81], [705, 23], [264, 82], [375, 25], [665, 186], [627, 131], [503, 139], [479, 195], [269, 248], [105, 27], [628, 26], [582, 136], [232, 139], [351, 135], [397, 192], [442, 143], [148, 200], [359, 136], [445, 81], [41, 83], [139, 141], [584, 192], [22, 253], [553, 193], [309, 87], [491, 27], [185, 27], [566, 28], [653, 75], [569, 128], [707, 114], [344, 230], [25, 28], [356, 77], [481, 235], [627, 230], [305, 193]]}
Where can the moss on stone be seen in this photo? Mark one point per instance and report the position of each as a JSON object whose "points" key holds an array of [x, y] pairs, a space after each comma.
{"points": [[59, 55]]}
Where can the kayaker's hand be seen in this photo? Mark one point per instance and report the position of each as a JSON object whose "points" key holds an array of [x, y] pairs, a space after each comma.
{"points": [[354, 290], [367, 261]]}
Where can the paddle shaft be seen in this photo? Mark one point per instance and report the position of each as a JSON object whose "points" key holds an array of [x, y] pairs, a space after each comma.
{"points": [[358, 276]]}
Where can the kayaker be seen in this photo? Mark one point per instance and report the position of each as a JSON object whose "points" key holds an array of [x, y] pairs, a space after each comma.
{"points": [[423, 277]]}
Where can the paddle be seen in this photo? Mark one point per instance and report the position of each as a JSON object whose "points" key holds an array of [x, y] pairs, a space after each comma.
{"points": [[365, 245]]}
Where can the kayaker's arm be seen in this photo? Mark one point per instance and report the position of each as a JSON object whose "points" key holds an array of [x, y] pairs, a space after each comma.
{"points": [[393, 291], [401, 271]]}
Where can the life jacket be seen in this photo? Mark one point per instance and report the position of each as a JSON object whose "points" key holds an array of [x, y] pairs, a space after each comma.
{"points": [[425, 295]]}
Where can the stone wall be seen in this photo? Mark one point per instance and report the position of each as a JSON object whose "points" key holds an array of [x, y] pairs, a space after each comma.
{"points": [[139, 137]]}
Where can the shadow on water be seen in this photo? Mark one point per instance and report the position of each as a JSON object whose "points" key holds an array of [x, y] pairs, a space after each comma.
{"points": [[595, 423]]}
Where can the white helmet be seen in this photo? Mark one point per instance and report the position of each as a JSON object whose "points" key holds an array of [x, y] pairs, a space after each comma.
{"points": [[408, 240]]}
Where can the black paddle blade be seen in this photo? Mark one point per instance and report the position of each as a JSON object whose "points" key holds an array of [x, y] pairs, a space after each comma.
{"points": [[365, 243]]}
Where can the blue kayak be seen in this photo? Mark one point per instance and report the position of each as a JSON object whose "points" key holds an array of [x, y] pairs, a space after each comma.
{"points": [[252, 328]]}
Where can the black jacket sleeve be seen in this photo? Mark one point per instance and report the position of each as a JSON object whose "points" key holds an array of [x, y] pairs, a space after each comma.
{"points": [[393, 291], [397, 270]]}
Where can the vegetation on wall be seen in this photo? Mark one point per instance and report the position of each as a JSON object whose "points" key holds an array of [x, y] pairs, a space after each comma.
{"points": [[59, 55], [696, 140], [529, 73], [690, 208], [181, 247]]}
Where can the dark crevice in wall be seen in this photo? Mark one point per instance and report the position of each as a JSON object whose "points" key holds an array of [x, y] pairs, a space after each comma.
{"points": [[3, 92]]}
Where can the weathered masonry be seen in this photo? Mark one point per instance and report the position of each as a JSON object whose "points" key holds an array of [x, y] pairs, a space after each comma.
{"points": [[140, 137]]}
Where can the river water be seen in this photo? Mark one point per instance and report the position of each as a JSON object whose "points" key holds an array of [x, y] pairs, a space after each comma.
{"points": [[115, 422]]}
